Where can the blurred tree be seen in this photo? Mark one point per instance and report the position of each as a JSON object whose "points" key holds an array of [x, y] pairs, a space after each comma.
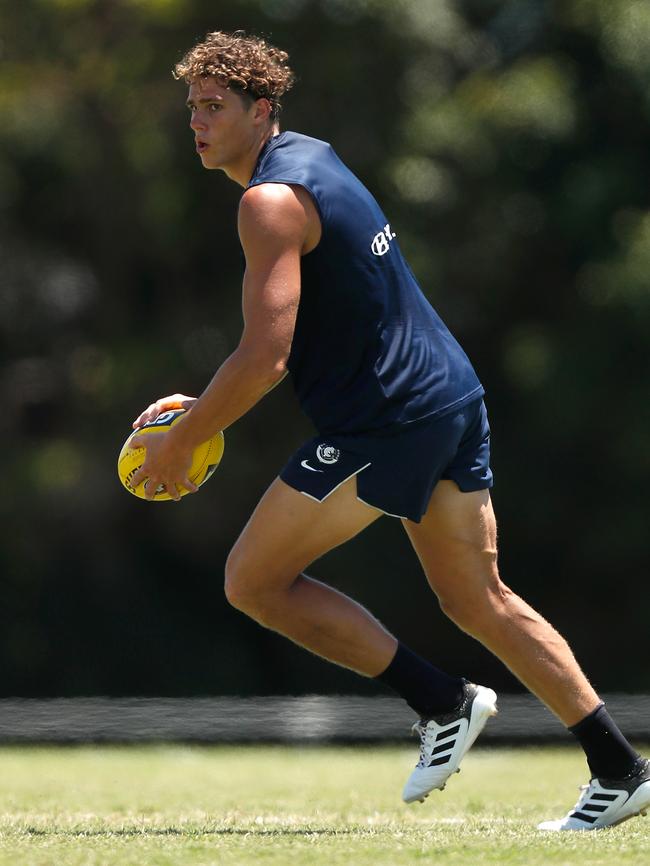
{"points": [[508, 143]]}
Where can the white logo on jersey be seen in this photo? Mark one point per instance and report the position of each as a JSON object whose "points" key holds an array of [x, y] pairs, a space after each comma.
{"points": [[306, 465], [327, 453], [381, 241]]}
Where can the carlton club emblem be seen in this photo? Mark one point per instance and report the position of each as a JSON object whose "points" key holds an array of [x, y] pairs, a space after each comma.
{"points": [[327, 453]]}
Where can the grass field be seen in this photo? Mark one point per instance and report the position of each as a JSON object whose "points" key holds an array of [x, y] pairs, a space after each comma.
{"points": [[198, 806]]}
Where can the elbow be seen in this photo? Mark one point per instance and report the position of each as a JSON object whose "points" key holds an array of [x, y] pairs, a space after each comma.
{"points": [[276, 371], [280, 368], [269, 366]]}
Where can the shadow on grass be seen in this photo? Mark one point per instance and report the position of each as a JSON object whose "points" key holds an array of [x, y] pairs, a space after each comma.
{"points": [[154, 832]]}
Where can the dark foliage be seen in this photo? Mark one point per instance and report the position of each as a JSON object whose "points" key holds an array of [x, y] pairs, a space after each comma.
{"points": [[507, 142]]}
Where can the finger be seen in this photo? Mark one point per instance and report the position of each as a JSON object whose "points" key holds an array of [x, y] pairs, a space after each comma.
{"points": [[154, 410], [137, 478], [150, 440], [188, 485], [174, 401], [150, 488], [148, 415]]}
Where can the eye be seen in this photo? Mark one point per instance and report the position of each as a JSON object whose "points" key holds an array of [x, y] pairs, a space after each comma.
{"points": [[214, 107]]}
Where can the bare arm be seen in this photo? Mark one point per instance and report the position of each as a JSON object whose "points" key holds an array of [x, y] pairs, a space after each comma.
{"points": [[273, 226]]}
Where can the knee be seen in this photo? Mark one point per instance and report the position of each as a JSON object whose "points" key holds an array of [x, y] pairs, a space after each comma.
{"points": [[480, 611], [238, 586], [261, 599], [458, 610]]}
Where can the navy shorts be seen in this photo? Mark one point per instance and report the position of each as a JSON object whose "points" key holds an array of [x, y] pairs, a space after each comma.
{"points": [[397, 470]]}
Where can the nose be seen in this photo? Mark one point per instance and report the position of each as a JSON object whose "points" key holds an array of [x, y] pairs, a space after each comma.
{"points": [[195, 121]]}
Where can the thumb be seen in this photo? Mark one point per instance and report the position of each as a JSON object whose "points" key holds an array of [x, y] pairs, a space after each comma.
{"points": [[144, 440]]}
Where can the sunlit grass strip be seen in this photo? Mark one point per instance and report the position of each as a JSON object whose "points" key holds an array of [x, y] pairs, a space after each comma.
{"points": [[291, 806]]}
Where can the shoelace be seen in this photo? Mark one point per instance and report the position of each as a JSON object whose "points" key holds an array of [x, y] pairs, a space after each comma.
{"points": [[427, 741], [582, 799]]}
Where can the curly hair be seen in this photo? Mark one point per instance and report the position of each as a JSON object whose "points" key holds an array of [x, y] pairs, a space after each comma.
{"points": [[244, 63]]}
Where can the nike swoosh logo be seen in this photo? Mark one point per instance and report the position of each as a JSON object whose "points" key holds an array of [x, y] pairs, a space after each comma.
{"points": [[306, 465]]}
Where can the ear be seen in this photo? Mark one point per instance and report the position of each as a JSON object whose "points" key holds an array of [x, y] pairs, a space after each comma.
{"points": [[262, 110]]}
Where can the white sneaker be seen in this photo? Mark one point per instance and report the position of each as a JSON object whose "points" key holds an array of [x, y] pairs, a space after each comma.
{"points": [[604, 803], [446, 739]]}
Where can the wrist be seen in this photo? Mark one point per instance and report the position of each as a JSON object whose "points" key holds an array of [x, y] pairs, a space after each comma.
{"points": [[179, 437]]}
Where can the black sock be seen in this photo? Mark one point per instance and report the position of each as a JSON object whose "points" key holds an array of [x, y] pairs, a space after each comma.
{"points": [[427, 690], [609, 754]]}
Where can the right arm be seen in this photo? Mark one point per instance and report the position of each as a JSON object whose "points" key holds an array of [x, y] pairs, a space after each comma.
{"points": [[273, 226]]}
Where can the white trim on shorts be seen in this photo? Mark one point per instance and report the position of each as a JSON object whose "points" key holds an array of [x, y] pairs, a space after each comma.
{"points": [[337, 486], [387, 513]]}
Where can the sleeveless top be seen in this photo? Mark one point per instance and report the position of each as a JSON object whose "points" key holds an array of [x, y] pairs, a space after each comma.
{"points": [[369, 353]]}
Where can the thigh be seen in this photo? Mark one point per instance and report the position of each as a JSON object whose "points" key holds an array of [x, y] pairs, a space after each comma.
{"points": [[456, 541], [288, 531]]}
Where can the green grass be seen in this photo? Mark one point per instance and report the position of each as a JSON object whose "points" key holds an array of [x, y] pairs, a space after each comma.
{"points": [[195, 806]]}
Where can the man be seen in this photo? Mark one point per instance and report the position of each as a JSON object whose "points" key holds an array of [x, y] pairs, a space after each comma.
{"points": [[402, 430]]}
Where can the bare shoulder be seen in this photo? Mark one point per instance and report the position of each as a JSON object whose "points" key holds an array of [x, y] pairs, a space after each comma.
{"points": [[277, 210], [270, 201]]}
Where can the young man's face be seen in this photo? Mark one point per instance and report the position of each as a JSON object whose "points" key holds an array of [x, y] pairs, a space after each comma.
{"points": [[223, 122]]}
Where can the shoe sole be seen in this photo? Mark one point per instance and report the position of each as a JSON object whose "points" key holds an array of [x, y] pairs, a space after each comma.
{"points": [[483, 708], [486, 702], [626, 818], [642, 811]]}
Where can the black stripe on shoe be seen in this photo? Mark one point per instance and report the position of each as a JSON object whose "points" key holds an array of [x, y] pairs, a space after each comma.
{"points": [[581, 815], [444, 747], [592, 807], [438, 761], [608, 797], [443, 735]]}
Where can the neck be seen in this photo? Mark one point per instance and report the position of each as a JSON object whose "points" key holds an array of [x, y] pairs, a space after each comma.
{"points": [[243, 172]]}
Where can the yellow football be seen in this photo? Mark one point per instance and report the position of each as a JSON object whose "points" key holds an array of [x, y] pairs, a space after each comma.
{"points": [[205, 459]]}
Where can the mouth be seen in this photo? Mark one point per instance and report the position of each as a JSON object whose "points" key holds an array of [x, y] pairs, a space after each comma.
{"points": [[201, 146]]}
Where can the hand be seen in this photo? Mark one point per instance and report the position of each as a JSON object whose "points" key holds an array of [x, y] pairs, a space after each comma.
{"points": [[175, 401], [164, 465]]}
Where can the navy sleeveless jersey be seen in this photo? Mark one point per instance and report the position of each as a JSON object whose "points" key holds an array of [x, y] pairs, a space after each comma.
{"points": [[368, 352]]}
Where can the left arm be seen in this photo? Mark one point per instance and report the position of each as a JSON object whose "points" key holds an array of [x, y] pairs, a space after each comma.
{"points": [[272, 226]]}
